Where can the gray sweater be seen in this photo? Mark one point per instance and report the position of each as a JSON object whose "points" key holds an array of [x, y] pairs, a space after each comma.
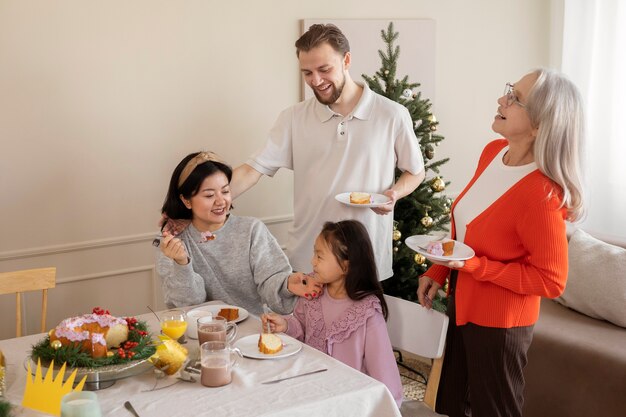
{"points": [[243, 266]]}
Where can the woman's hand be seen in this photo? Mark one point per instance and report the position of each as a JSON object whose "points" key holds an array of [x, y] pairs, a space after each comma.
{"points": [[174, 248], [306, 286], [277, 323], [449, 264], [427, 290]]}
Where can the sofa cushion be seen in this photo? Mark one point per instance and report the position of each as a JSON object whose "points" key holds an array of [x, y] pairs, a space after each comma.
{"points": [[596, 284], [576, 366]]}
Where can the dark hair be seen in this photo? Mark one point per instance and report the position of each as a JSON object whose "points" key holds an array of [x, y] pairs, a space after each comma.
{"points": [[173, 207], [318, 34], [349, 241]]}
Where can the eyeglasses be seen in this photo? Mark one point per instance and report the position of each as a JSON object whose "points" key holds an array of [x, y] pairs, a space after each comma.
{"points": [[511, 98]]}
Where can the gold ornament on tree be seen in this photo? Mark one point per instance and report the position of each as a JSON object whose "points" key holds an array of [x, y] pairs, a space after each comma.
{"points": [[419, 259], [427, 221], [55, 344], [429, 152], [437, 184], [433, 122], [396, 235]]}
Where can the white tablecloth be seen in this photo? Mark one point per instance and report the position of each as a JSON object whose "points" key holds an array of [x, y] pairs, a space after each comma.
{"points": [[340, 391]]}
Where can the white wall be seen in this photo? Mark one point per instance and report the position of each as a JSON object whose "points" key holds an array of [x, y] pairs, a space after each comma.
{"points": [[100, 100]]}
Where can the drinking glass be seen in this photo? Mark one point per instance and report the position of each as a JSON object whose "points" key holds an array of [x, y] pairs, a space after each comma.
{"points": [[217, 359], [173, 323], [80, 404], [216, 329]]}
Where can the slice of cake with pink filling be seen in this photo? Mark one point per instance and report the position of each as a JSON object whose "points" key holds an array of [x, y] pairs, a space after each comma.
{"points": [[440, 247]]}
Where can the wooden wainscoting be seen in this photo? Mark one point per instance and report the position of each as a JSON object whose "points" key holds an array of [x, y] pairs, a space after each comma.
{"points": [[115, 274]]}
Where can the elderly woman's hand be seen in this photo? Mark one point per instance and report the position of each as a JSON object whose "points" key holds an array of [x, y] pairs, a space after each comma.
{"points": [[304, 285], [427, 290], [449, 264]]}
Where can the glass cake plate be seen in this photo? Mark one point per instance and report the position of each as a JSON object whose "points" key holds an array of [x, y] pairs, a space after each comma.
{"points": [[97, 378]]}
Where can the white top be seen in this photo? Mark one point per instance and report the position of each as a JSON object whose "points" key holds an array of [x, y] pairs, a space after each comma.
{"points": [[495, 180], [331, 154]]}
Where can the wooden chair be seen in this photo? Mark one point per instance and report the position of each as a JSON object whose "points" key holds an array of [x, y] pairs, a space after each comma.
{"points": [[28, 280], [422, 332]]}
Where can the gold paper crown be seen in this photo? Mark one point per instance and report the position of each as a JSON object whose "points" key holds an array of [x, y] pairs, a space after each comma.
{"points": [[169, 356], [45, 394]]}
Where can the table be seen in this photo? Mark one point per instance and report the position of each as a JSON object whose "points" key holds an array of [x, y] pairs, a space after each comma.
{"points": [[340, 391]]}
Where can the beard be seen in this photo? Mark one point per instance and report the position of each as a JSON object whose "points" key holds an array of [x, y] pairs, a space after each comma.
{"points": [[336, 93]]}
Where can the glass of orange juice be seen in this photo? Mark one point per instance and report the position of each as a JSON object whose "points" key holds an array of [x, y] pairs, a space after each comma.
{"points": [[173, 323]]}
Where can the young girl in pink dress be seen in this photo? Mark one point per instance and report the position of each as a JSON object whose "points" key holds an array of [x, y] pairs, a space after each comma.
{"points": [[348, 320]]}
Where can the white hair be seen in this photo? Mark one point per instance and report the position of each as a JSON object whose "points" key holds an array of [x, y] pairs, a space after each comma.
{"points": [[555, 107]]}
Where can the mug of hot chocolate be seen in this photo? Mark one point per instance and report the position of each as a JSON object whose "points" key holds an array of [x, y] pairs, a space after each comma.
{"points": [[217, 359], [216, 329]]}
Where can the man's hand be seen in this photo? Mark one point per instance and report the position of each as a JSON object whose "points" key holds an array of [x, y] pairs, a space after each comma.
{"points": [[388, 206]]}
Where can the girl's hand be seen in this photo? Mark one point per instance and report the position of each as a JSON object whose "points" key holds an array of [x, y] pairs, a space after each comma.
{"points": [[174, 248], [427, 290], [306, 286], [277, 323]]}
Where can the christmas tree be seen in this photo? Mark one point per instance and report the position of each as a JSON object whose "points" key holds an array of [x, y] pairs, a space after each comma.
{"points": [[426, 209]]}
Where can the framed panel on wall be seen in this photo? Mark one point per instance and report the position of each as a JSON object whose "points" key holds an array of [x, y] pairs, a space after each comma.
{"points": [[417, 49]]}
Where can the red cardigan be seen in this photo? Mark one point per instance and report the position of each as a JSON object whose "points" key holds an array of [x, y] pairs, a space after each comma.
{"points": [[521, 252]]}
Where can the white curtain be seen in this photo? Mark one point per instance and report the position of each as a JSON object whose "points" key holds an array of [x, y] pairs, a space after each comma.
{"points": [[594, 58]]}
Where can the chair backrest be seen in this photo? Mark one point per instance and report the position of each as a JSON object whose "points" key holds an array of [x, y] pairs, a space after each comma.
{"points": [[416, 329], [420, 331], [28, 280]]}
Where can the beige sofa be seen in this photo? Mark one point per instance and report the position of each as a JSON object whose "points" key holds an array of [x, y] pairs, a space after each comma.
{"points": [[577, 360]]}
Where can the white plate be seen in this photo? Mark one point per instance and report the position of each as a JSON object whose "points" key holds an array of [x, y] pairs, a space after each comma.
{"points": [[377, 200], [461, 251], [249, 347], [214, 309]]}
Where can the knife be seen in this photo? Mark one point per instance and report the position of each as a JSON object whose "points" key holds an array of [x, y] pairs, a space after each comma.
{"points": [[273, 381]]}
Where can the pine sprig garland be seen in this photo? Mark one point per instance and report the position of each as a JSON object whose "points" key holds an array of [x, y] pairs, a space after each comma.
{"points": [[5, 408], [75, 358], [426, 205]]}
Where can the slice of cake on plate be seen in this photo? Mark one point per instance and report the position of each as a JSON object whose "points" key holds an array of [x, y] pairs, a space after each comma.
{"points": [[440, 247], [360, 198], [270, 343]]}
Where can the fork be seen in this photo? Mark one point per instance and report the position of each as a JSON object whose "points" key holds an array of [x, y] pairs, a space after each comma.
{"points": [[267, 310]]}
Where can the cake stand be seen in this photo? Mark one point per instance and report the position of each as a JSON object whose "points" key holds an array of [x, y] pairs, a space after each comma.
{"points": [[97, 378]]}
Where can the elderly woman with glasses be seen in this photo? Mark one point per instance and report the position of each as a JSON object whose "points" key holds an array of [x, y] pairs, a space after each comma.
{"points": [[513, 214]]}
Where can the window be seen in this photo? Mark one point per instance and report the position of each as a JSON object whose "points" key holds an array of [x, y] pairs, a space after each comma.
{"points": [[594, 58]]}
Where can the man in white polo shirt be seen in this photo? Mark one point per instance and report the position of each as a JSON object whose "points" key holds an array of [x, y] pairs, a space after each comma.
{"points": [[346, 139]]}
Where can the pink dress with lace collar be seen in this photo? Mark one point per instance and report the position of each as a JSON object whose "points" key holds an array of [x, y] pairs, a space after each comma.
{"points": [[353, 332]]}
